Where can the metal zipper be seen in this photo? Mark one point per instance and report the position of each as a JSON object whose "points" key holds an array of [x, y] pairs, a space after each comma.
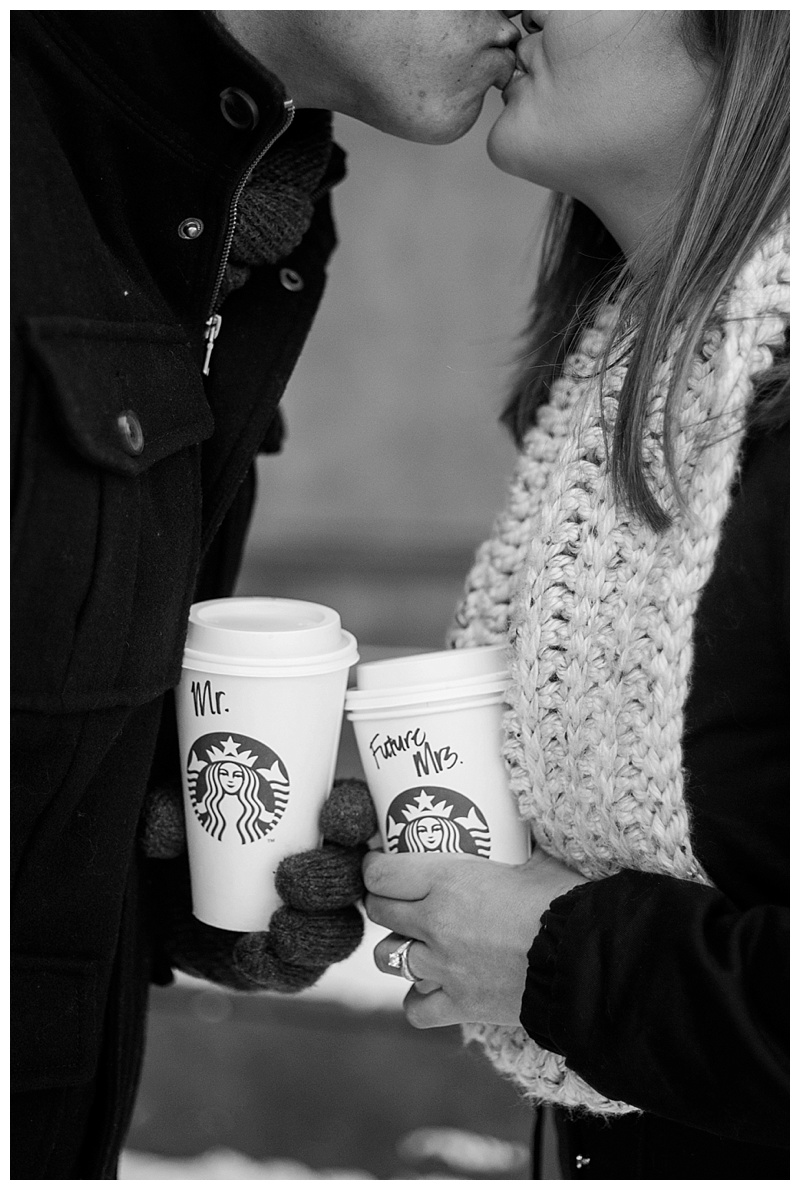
{"points": [[214, 320]]}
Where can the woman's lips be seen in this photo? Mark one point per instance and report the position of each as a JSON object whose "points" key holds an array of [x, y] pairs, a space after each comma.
{"points": [[519, 72]]}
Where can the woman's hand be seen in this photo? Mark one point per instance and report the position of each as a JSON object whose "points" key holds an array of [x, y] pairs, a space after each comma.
{"points": [[473, 922]]}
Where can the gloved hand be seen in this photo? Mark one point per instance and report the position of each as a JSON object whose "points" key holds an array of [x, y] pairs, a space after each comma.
{"points": [[318, 924]]}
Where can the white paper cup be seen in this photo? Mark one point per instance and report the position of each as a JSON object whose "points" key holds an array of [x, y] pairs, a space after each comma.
{"points": [[259, 717], [429, 731]]}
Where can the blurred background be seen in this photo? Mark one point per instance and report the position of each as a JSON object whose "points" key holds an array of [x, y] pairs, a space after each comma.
{"points": [[392, 472]]}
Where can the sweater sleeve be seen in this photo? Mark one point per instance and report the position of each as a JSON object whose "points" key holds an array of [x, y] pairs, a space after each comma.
{"points": [[661, 993]]}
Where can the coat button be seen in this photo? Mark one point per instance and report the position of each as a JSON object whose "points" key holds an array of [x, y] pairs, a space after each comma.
{"points": [[291, 280], [131, 432], [190, 229], [238, 108]]}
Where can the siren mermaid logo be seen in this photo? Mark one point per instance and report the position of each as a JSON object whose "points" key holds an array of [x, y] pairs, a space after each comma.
{"points": [[236, 781], [436, 819]]}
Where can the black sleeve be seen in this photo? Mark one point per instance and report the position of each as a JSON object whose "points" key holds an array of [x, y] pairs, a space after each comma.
{"points": [[670, 995], [661, 993]]}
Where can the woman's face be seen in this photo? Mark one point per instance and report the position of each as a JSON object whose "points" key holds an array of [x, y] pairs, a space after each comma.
{"points": [[603, 100], [230, 777], [430, 834]]}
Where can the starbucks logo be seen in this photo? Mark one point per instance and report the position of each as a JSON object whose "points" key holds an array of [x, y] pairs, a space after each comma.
{"points": [[436, 819], [236, 782]]}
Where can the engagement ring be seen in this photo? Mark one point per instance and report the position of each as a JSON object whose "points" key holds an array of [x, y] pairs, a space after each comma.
{"points": [[398, 960]]}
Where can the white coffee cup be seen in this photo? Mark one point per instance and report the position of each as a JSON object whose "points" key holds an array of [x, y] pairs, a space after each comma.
{"points": [[259, 711], [429, 731]]}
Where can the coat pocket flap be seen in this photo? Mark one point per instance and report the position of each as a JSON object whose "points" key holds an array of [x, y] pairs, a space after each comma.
{"points": [[128, 394], [55, 1021]]}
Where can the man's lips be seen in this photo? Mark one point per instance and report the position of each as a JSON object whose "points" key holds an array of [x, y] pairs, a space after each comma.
{"points": [[506, 43], [510, 63]]}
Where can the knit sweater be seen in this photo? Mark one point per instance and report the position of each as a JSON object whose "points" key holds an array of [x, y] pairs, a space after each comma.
{"points": [[598, 611]]}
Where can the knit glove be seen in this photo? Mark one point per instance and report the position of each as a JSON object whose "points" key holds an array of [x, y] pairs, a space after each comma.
{"points": [[317, 925]]}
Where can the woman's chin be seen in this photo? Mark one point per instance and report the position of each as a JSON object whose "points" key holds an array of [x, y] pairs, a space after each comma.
{"points": [[506, 153]]}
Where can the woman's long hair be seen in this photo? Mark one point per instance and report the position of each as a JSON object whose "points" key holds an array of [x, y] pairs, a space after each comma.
{"points": [[247, 796], [736, 189]]}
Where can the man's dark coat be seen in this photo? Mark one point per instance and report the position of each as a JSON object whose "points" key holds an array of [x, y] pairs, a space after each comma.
{"points": [[131, 493]]}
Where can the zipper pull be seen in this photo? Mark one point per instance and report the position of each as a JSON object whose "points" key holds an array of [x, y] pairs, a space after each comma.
{"points": [[213, 327]]}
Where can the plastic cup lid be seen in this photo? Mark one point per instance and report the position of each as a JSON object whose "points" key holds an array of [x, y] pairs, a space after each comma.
{"points": [[253, 630], [433, 669]]}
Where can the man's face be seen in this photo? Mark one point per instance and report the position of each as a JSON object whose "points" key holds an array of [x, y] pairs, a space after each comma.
{"points": [[418, 74]]}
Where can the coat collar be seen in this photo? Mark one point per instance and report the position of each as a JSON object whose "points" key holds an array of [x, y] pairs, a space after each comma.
{"points": [[166, 70]]}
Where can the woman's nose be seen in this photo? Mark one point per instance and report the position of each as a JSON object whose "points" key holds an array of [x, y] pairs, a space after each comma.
{"points": [[531, 21]]}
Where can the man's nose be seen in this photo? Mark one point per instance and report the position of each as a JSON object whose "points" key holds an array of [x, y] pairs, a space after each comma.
{"points": [[510, 16]]}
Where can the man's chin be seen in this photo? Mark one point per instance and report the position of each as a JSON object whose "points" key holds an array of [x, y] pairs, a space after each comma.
{"points": [[430, 126], [447, 126]]}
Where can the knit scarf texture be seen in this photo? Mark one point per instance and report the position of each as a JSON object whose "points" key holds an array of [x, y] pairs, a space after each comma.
{"points": [[598, 612], [277, 204]]}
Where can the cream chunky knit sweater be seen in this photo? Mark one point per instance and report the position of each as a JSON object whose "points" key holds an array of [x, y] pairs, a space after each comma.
{"points": [[598, 610]]}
